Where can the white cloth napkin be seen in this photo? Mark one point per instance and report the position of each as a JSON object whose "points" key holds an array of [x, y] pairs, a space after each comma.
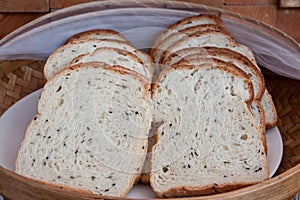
{"points": [[272, 49]]}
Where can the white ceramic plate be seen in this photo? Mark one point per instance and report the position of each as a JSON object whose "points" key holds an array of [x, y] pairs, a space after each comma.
{"points": [[14, 121]]}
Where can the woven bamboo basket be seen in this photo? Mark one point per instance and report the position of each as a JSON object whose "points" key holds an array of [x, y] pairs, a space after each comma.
{"points": [[19, 77]]}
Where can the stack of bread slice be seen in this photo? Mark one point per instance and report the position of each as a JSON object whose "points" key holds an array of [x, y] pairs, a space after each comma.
{"points": [[189, 118], [94, 115], [211, 101]]}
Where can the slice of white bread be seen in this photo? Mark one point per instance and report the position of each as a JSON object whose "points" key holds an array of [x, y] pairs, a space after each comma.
{"points": [[221, 57], [114, 56], [91, 130], [227, 55], [98, 34], [270, 110], [176, 36], [208, 142], [261, 93], [62, 57], [209, 38], [183, 24]]}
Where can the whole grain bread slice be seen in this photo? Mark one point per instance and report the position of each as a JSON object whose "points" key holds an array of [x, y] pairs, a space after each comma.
{"points": [[91, 130], [208, 142], [98, 34], [114, 56], [62, 57]]}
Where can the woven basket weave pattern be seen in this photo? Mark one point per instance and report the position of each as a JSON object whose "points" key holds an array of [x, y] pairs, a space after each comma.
{"points": [[19, 78], [286, 96]]}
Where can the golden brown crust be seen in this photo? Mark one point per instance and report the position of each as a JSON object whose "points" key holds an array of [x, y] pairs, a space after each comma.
{"points": [[107, 32], [169, 51], [185, 191], [185, 33], [189, 20], [69, 45], [182, 22]]}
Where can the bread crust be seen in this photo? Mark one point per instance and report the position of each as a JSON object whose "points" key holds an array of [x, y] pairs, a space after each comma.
{"points": [[184, 191], [187, 20], [179, 35], [105, 32], [170, 50], [48, 66]]}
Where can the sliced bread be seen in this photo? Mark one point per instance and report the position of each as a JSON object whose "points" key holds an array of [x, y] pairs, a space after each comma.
{"points": [[114, 56], [98, 34], [270, 110], [62, 57], [175, 37], [209, 38], [183, 24], [209, 141], [91, 130], [242, 62], [259, 115], [227, 55], [233, 62]]}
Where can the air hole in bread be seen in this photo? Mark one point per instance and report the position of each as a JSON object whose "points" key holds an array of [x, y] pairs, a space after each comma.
{"points": [[59, 89]]}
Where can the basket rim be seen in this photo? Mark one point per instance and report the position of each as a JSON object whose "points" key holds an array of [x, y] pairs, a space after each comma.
{"points": [[263, 190]]}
